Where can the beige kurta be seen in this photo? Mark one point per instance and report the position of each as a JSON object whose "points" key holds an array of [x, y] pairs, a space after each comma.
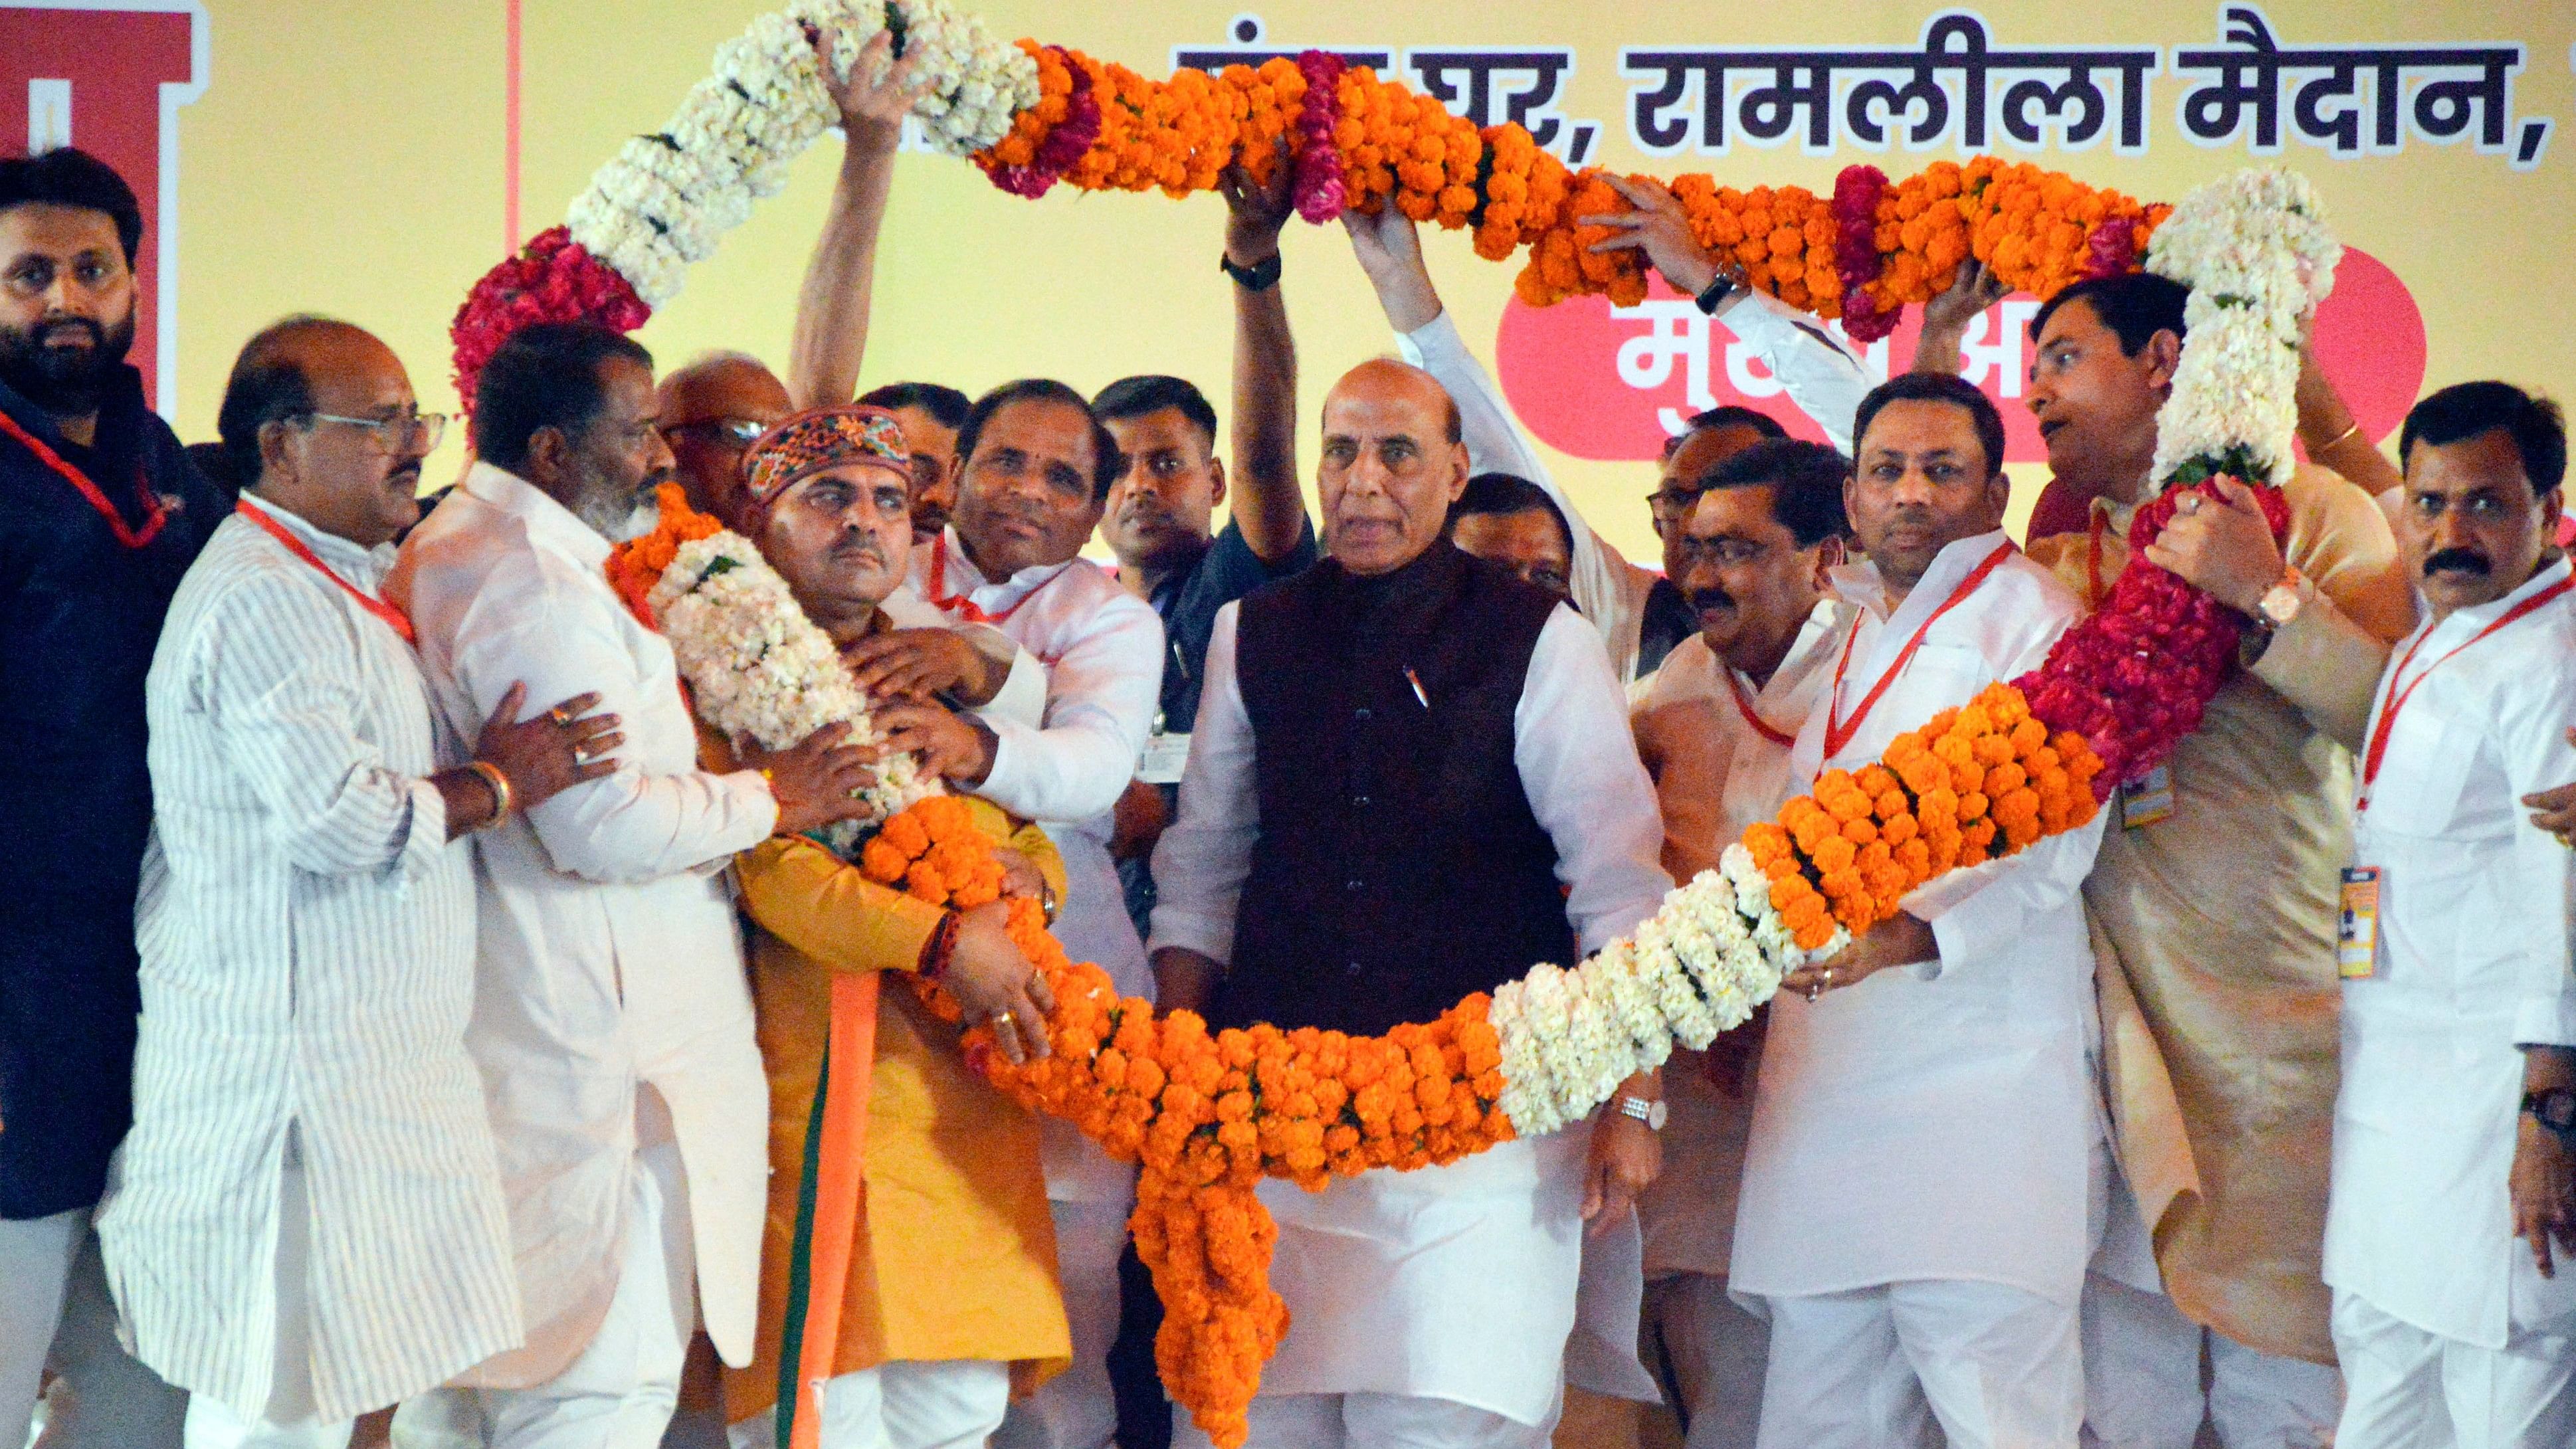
{"points": [[2216, 931]]}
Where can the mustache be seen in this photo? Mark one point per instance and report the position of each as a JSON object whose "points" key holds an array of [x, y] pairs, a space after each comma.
{"points": [[862, 547], [1707, 600], [46, 332], [2465, 560]]}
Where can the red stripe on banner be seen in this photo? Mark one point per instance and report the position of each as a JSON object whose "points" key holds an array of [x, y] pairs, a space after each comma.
{"points": [[510, 128]]}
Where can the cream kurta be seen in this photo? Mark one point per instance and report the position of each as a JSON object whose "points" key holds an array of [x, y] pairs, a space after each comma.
{"points": [[608, 958], [2217, 925], [1936, 1121], [2474, 964], [1714, 775]]}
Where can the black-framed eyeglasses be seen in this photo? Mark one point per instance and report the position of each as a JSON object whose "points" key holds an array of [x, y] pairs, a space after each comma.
{"points": [[405, 432], [1672, 504], [738, 432]]}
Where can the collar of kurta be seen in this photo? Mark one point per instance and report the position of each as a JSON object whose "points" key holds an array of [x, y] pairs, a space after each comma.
{"points": [[2115, 516], [354, 563], [547, 521], [2462, 623], [963, 578], [1804, 665], [1863, 585]]}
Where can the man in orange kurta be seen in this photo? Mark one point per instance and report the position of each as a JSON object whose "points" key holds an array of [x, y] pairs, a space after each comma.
{"points": [[949, 1300], [2213, 907]]}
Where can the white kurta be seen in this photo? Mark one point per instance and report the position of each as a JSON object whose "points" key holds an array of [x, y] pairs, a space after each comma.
{"points": [[1819, 371], [307, 935], [1936, 1121], [607, 954], [2474, 963], [1714, 775], [1103, 652], [1451, 1282]]}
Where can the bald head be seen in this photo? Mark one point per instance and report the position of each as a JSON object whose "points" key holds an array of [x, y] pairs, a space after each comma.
{"points": [[319, 418], [710, 411], [1392, 465]]}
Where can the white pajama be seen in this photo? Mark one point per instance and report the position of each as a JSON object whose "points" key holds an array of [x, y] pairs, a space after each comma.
{"points": [[1711, 1352], [2409, 1389], [2143, 1381], [950, 1404], [619, 1393], [56, 1312], [1368, 1421], [289, 1421], [1997, 1366], [1077, 1409]]}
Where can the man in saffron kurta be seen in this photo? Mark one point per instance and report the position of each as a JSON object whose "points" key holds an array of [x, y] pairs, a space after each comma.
{"points": [[2214, 908], [950, 1291]]}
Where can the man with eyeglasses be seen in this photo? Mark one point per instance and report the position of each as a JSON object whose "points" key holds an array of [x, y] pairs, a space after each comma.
{"points": [[100, 515], [307, 1222]]}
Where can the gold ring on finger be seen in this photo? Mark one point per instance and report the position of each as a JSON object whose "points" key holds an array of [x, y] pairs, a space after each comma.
{"points": [[1005, 1018], [560, 716]]}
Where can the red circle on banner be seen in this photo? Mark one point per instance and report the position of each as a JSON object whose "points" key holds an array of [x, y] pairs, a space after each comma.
{"points": [[1610, 384]]}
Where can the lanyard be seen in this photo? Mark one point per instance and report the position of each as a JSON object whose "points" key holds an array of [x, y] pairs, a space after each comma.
{"points": [[964, 607], [1839, 734], [1744, 706], [154, 515], [259, 519], [2378, 751], [2093, 561]]}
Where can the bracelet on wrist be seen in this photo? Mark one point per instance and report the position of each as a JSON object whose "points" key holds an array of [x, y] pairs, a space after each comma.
{"points": [[1261, 276], [499, 786], [941, 945], [2338, 439]]}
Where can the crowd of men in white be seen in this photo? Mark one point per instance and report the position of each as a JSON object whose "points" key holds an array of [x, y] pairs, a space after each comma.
{"points": [[2248, 1110]]}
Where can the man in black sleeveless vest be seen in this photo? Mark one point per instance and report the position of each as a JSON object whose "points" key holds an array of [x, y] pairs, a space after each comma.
{"points": [[1410, 780]]}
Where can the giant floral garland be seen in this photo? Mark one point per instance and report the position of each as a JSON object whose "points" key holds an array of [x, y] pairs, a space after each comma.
{"points": [[1033, 116], [1208, 1115]]}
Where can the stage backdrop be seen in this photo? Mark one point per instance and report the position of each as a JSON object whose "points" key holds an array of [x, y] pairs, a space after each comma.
{"points": [[370, 161]]}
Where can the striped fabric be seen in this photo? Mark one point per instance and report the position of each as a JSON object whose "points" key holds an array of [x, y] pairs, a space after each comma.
{"points": [[307, 938]]}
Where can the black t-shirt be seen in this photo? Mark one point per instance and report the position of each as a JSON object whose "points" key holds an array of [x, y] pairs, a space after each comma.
{"points": [[1189, 600]]}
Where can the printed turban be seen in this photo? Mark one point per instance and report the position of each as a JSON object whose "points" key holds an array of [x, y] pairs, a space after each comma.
{"points": [[822, 438]]}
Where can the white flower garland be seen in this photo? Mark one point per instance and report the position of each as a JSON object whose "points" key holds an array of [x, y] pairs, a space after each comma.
{"points": [[2254, 249], [758, 667], [666, 200]]}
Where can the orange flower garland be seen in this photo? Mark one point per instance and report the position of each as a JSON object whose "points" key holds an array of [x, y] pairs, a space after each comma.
{"points": [[1978, 782], [1208, 1115], [2038, 229], [636, 565]]}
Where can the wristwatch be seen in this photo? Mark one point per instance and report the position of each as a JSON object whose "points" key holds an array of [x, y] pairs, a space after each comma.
{"points": [[1651, 1112], [2272, 613], [1261, 276], [1715, 296], [2554, 1109]]}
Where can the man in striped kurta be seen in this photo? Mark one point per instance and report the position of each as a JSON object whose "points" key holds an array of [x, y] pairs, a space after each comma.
{"points": [[306, 1222]]}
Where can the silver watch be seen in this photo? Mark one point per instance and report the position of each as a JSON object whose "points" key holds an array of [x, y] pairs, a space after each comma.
{"points": [[1653, 1113]]}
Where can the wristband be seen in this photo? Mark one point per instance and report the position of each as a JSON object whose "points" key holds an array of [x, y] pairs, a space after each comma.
{"points": [[499, 785], [1715, 297], [1260, 277]]}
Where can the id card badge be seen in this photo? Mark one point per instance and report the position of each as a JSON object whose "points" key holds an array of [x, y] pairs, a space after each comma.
{"points": [[2357, 929], [1165, 755], [2148, 799]]}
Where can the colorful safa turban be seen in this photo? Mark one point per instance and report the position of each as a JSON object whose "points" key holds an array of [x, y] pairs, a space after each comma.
{"points": [[822, 438]]}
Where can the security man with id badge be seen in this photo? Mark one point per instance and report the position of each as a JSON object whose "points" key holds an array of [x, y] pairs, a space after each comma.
{"points": [[2451, 1227]]}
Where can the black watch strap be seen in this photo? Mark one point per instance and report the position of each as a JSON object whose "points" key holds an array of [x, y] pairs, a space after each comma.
{"points": [[1259, 278], [2554, 1109], [1715, 297]]}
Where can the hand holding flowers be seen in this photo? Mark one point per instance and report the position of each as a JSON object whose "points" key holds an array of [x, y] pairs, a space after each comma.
{"points": [[2222, 545]]}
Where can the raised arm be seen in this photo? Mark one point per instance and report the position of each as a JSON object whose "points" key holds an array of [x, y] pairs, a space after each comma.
{"points": [[2333, 437], [832, 309], [1946, 318], [1266, 503]]}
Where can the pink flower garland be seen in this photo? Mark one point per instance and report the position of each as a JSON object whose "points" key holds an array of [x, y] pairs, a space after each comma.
{"points": [[2112, 249], [1064, 145], [2134, 677], [552, 279], [1857, 193], [1317, 183]]}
